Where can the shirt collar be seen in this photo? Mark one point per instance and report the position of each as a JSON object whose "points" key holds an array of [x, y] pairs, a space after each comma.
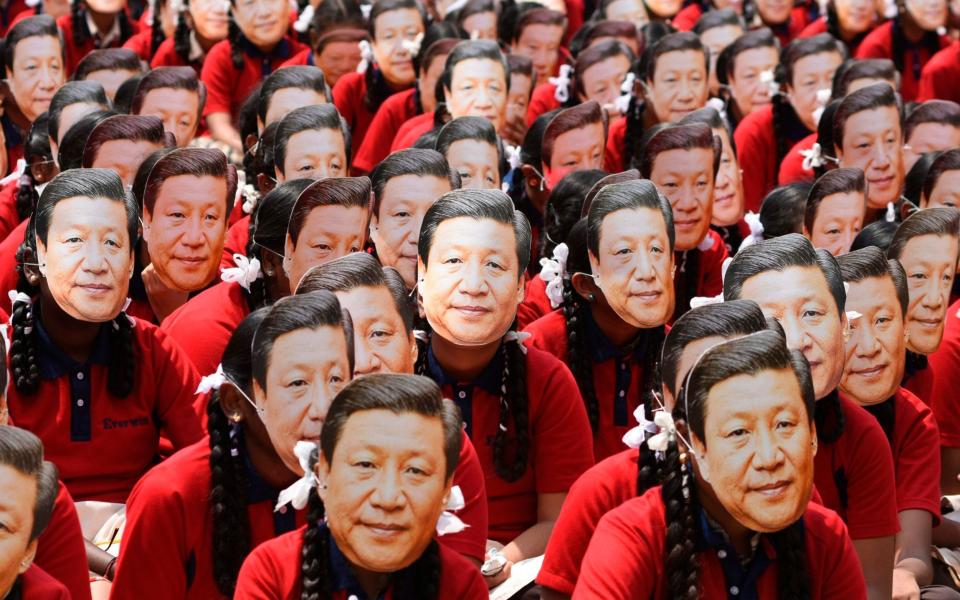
{"points": [[54, 362], [280, 51], [602, 349], [490, 379], [106, 40], [343, 578]]}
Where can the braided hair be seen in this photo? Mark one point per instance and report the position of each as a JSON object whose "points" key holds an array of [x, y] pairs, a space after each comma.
{"points": [[235, 38], [36, 146], [496, 206], [228, 485], [900, 45], [181, 35], [94, 183], [82, 33], [156, 27]]}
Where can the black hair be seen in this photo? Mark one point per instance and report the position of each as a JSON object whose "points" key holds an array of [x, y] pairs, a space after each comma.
{"points": [[125, 95], [176, 78], [74, 92], [299, 77], [949, 160], [496, 206], [727, 63], [626, 195], [36, 26], [107, 59], [837, 181], [195, 162], [917, 175], [228, 480], [564, 207], [22, 451], [399, 394], [939, 221], [864, 68], [879, 234], [35, 146], [717, 17], [712, 118], [71, 147], [91, 183], [943, 112], [470, 128], [868, 262], [306, 118], [781, 211], [411, 161], [124, 127], [473, 49]]}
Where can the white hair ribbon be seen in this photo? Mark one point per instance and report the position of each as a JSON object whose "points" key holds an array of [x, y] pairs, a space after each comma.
{"points": [[718, 105], [413, 46], [298, 493], [562, 94], [213, 381], [365, 11], [705, 244], [665, 427], [752, 220], [454, 7], [421, 336], [769, 79], [16, 296], [303, 20], [513, 156], [449, 522], [250, 198], [246, 272], [634, 438], [17, 173], [519, 337], [366, 56], [823, 96], [698, 301], [622, 102], [813, 158], [554, 271], [891, 214]]}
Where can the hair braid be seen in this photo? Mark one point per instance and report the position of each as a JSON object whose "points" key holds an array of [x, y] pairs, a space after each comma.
{"points": [[126, 28], [829, 417], [688, 279], [578, 358], [26, 197], [257, 297], [634, 133], [235, 36], [123, 360], [231, 526], [23, 357], [81, 33], [780, 107], [793, 580], [156, 35], [648, 469], [681, 567], [315, 555], [181, 36], [520, 405]]}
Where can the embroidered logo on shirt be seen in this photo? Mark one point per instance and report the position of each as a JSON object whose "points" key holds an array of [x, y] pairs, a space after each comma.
{"points": [[125, 423]]}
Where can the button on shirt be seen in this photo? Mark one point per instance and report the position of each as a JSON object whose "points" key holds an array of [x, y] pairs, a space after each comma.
{"points": [[741, 573], [490, 380]]}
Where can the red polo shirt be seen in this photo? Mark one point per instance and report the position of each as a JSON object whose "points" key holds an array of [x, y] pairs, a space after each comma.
{"points": [[392, 114], [855, 474], [939, 77], [35, 584], [916, 455], [535, 303], [74, 52], [228, 87], [560, 437], [272, 572], [687, 17], [103, 444], [166, 56], [617, 377], [167, 549], [543, 100], [791, 167], [304, 57], [879, 44], [60, 549], [625, 558], [613, 159], [8, 263], [141, 42], [936, 385], [411, 131], [203, 326], [348, 96], [238, 236], [605, 486], [9, 218]]}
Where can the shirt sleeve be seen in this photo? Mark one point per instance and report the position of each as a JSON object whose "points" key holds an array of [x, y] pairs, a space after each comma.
{"points": [[872, 510], [217, 74], [61, 551], [259, 578], [176, 380], [839, 572], [754, 151], [918, 461]]}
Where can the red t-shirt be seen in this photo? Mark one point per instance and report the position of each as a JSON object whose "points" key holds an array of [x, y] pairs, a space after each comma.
{"points": [[862, 461], [392, 114], [939, 77], [543, 100], [560, 437], [35, 584], [74, 52], [166, 56], [687, 17], [238, 236], [10, 12], [411, 131], [617, 380], [304, 57], [535, 303], [757, 151], [791, 167], [272, 572], [709, 273], [348, 97], [616, 138], [61, 552], [141, 42], [625, 558], [228, 87], [9, 218], [605, 486], [472, 541], [203, 326], [8, 263], [916, 455], [167, 549], [103, 444], [879, 44], [936, 385]]}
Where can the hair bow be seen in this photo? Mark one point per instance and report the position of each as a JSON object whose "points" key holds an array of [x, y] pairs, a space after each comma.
{"points": [[303, 20], [666, 429], [366, 56], [519, 337], [813, 158], [213, 381], [299, 492], [246, 272], [513, 156], [17, 173], [562, 94], [554, 271], [622, 102], [449, 522], [718, 105], [769, 79], [16, 296], [421, 336], [891, 215], [365, 11], [413, 46], [250, 198], [752, 220], [634, 438]]}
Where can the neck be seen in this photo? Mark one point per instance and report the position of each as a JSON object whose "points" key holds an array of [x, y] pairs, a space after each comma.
{"points": [[463, 362], [265, 460], [738, 534], [619, 332], [72, 336], [911, 30], [104, 21], [205, 43], [371, 582]]}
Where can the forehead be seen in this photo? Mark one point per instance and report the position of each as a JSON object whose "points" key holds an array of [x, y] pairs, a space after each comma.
{"points": [[399, 17], [312, 142], [334, 218], [421, 189], [541, 32], [369, 301], [680, 60], [633, 223], [126, 151], [476, 235], [590, 132], [753, 56], [305, 346], [930, 250], [36, 45], [478, 68], [89, 212], [816, 62], [752, 395], [873, 292], [682, 160], [171, 97], [18, 494], [787, 287], [611, 63], [691, 352], [206, 189], [471, 151], [387, 431], [844, 204], [872, 121]]}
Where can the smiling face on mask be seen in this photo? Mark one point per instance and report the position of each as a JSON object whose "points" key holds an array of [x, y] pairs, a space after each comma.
{"points": [[930, 262], [685, 177], [747, 86], [327, 233], [812, 75], [728, 204], [873, 143], [263, 22], [392, 29], [678, 86], [381, 343], [478, 88]]}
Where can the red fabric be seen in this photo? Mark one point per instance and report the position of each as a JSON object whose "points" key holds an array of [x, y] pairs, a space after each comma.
{"points": [[124, 431], [605, 486], [687, 17], [535, 302], [227, 87], [8, 263], [817, 27], [61, 552], [710, 277], [916, 455], [10, 12], [73, 51], [272, 572], [411, 131], [543, 100], [560, 444], [14, 154], [348, 97], [879, 44], [472, 541], [35, 584], [392, 114], [141, 42], [799, 18], [549, 334], [23, 14], [791, 167], [863, 455], [203, 326], [626, 555], [936, 385], [238, 236], [575, 10], [166, 56], [298, 59], [9, 219], [616, 138], [170, 524], [939, 77], [757, 151]]}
